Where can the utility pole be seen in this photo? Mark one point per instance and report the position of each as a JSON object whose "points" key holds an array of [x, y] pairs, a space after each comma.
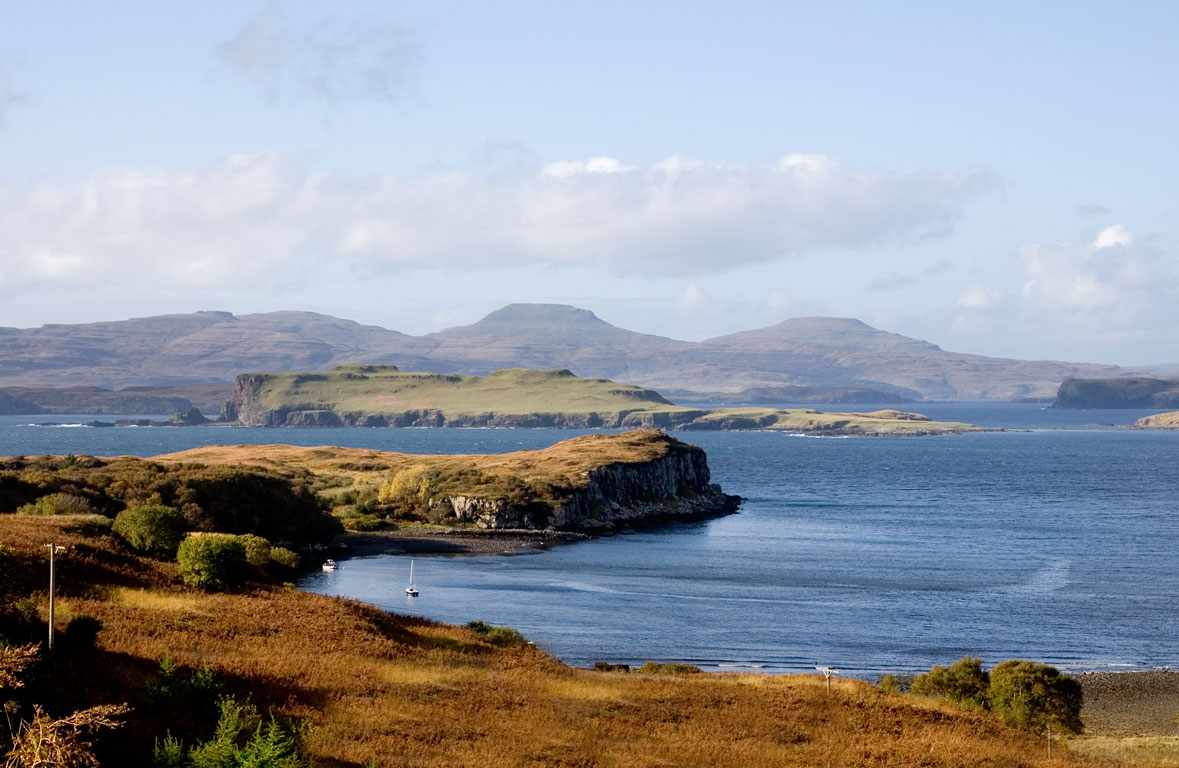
{"points": [[53, 550], [827, 673]]}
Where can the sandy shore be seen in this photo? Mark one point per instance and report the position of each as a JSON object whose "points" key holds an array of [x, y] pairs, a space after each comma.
{"points": [[1131, 703], [416, 541]]}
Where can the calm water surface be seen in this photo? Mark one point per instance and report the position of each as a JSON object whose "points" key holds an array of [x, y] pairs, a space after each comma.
{"points": [[1057, 543]]}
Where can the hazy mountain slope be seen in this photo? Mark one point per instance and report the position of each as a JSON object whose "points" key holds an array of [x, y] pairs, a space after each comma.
{"points": [[551, 336], [183, 349], [841, 351], [810, 352]]}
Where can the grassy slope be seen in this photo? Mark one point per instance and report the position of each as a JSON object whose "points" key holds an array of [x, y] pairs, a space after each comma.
{"points": [[376, 390], [562, 465], [384, 389], [409, 691]]}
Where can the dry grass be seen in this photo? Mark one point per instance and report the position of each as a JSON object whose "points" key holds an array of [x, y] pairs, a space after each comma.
{"points": [[1154, 751], [563, 465], [408, 691]]}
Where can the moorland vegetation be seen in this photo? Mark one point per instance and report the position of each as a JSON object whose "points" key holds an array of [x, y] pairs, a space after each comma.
{"points": [[176, 676]]}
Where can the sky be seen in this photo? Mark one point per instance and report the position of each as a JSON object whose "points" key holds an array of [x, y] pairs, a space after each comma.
{"points": [[995, 178]]}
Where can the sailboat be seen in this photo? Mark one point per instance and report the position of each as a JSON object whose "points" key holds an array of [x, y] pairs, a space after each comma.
{"points": [[411, 590]]}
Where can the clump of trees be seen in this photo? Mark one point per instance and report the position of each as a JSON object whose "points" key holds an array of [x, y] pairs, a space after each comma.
{"points": [[151, 528], [1024, 692], [223, 563]]}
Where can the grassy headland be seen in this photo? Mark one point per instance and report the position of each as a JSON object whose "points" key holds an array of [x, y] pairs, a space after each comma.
{"points": [[370, 395], [364, 486], [398, 690]]}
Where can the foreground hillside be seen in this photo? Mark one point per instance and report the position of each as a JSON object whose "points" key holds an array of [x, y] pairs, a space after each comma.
{"points": [[813, 356], [388, 690], [383, 396]]}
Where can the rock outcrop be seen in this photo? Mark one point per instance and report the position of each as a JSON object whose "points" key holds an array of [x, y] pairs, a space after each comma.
{"points": [[621, 495]]}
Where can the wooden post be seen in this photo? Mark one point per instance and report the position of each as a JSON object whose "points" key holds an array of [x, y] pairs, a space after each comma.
{"points": [[53, 550]]}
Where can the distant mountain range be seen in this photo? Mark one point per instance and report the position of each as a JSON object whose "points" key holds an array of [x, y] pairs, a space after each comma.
{"points": [[823, 354]]}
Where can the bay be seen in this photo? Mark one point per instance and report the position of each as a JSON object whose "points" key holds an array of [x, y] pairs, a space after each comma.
{"points": [[871, 555]]}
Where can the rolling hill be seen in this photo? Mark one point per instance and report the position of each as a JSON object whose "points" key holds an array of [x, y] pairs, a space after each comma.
{"points": [[818, 352]]}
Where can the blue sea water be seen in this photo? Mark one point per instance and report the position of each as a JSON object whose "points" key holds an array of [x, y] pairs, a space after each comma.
{"points": [[1056, 541]]}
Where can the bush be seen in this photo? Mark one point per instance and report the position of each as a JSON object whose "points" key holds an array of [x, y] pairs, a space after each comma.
{"points": [[1035, 695], [152, 528], [257, 550], [964, 682], [283, 562], [496, 635], [58, 504], [213, 563], [671, 668], [241, 738]]}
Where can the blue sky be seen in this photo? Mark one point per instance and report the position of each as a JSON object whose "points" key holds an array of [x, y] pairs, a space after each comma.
{"points": [[993, 178]]}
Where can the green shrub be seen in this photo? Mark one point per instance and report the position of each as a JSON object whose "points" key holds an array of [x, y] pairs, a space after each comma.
{"points": [[242, 739], [257, 549], [1035, 695], [671, 668], [58, 504], [890, 684], [496, 635], [213, 563], [283, 562], [153, 528], [964, 682]]}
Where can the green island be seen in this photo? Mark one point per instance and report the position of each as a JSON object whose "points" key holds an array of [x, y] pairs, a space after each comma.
{"points": [[383, 396], [179, 642]]}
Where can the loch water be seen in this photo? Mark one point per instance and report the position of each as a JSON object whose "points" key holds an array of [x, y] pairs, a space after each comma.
{"points": [[1055, 541]]}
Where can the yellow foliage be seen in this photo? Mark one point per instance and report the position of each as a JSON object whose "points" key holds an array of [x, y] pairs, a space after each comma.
{"points": [[410, 483]]}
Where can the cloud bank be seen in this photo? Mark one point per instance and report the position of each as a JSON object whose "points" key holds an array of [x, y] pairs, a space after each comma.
{"points": [[1087, 299], [257, 216]]}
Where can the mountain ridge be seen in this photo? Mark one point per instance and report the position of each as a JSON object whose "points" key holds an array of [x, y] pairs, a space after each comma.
{"points": [[813, 352]]}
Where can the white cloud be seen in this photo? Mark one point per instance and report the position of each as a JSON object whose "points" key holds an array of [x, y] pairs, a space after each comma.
{"points": [[1113, 237], [259, 218], [328, 58], [692, 299], [979, 296]]}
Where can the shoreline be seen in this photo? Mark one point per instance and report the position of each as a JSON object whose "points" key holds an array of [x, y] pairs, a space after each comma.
{"points": [[454, 542]]}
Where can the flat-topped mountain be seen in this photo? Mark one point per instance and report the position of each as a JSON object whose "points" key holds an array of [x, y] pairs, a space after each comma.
{"points": [[818, 352], [1134, 392]]}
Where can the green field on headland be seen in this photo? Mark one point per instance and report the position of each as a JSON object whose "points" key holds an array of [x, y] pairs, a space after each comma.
{"points": [[371, 395]]}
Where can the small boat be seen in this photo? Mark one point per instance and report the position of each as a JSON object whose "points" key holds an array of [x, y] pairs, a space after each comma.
{"points": [[411, 590], [329, 565]]}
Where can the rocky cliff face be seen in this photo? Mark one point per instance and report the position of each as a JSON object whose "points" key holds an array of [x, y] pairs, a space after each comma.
{"points": [[1118, 393], [621, 495]]}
